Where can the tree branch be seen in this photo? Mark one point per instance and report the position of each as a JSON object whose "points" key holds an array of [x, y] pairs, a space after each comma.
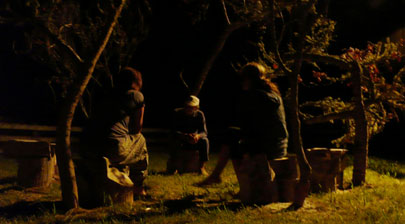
{"points": [[273, 41], [45, 30], [328, 59], [226, 12], [217, 48], [329, 117], [219, 45]]}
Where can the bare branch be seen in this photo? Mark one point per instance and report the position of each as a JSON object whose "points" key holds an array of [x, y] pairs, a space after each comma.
{"points": [[328, 59], [45, 30], [329, 117], [216, 50], [273, 41], [226, 12]]}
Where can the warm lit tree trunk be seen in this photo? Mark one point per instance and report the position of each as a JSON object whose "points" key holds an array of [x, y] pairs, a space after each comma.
{"points": [[295, 140], [303, 185], [302, 188], [361, 132], [63, 144]]}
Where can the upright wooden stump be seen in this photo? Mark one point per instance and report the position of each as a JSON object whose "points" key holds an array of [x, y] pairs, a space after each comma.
{"points": [[186, 161], [339, 153], [262, 181], [327, 168], [119, 188], [286, 177], [36, 161], [100, 183], [256, 180]]}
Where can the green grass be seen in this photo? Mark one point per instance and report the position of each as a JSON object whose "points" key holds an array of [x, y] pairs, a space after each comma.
{"points": [[175, 199], [390, 168]]}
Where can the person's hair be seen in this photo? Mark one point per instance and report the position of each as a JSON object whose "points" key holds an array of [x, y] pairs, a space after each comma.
{"points": [[257, 74], [127, 77]]}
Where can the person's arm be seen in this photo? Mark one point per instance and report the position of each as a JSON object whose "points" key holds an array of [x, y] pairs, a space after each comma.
{"points": [[176, 127], [138, 120], [136, 109], [202, 129]]}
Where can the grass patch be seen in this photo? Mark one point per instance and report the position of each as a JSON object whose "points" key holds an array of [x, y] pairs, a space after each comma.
{"points": [[175, 199], [387, 167], [390, 168]]}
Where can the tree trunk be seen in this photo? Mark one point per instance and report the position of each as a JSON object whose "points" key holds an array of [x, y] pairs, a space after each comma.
{"points": [[63, 144], [361, 132], [302, 188], [303, 185]]}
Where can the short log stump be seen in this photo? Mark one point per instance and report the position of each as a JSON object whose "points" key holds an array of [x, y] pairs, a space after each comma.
{"points": [[327, 168], [36, 161]]}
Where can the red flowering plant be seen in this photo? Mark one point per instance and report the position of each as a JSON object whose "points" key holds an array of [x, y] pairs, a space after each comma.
{"points": [[375, 76], [381, 66]]}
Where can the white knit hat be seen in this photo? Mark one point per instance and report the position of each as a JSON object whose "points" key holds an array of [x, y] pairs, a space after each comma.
{"points": [[193, 101]]}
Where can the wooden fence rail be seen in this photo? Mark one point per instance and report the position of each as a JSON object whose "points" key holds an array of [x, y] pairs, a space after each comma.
{"points": [[15, 131]]}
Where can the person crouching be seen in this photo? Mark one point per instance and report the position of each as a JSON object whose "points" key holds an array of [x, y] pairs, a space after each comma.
{"points": [[190, 134]]}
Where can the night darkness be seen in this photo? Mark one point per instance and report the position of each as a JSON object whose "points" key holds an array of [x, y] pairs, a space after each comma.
{"points": [[173, 46]]}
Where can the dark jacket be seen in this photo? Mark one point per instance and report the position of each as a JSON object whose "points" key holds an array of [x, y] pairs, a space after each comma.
{"points": [[263, 124]]}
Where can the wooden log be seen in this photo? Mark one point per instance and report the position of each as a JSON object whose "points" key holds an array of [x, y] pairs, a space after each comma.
{"points": [[256, 180], [286, 189], [118, 194], [28, 148], [341, 154], [286, 171], [36, 161], [87, 179], [191, 161], [327, 168], [186, 161], [118, 185], [100, 184], [35, 172]]}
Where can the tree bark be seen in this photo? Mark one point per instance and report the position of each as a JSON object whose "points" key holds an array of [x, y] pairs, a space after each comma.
{"points": [[302, 188], [63, 152], [303, 185], [361, 132]]}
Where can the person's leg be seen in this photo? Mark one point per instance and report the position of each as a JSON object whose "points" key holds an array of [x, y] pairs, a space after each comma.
{"points": [[242, 175], [138, 173], [203, 150], [139, 168], [215, 176], [262, 179], [172, 164]]}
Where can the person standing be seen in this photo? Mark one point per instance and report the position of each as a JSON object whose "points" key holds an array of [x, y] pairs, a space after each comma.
{"points": [[261, 127]]}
